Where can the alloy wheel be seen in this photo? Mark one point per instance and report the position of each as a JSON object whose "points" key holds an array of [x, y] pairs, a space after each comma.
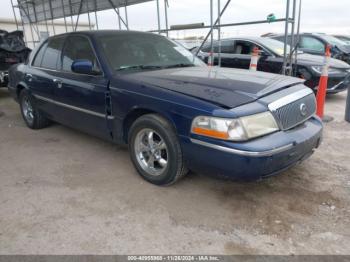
{"points": [[151, 152]]}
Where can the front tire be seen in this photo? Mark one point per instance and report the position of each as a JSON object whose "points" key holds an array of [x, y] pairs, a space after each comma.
{"points": [[33, 118], [155, 150]]}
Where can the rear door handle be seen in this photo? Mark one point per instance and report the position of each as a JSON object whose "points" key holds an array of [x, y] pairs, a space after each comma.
{"points": [[57, 82]]}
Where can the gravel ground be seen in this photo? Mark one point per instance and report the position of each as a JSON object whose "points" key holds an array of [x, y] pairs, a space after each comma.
{"points": [[62, 191]]}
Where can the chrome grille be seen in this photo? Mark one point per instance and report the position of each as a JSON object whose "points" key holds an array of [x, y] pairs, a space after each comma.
{"points": [[294, 113]]}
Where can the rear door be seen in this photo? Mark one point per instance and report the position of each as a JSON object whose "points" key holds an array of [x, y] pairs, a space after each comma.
{"points": [[228, 58], [41, 74], [81, 97]]}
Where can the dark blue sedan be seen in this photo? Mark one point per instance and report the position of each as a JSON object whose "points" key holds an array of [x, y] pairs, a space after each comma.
{"points": [[175, 113]]}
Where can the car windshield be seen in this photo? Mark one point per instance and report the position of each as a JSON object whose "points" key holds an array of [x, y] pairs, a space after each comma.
{"points": [[274, 45], [333, 40], [346, 39], [131, 51]]}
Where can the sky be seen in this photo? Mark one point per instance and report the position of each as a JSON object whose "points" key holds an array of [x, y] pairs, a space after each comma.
{"points": [[326, 16]]}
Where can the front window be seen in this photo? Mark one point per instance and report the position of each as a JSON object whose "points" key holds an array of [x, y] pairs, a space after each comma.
{"points": [[311, 43], [78, 48], [275, 46], [145, 51], [243, 47]]}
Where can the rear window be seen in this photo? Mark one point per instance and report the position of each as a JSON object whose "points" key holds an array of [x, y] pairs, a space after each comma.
{"points": [[39, 55], [51, 57], [227, 46]]}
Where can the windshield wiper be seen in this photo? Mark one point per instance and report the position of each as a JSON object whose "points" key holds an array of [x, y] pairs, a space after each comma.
{"points": [[138, 67], [179, 65]]}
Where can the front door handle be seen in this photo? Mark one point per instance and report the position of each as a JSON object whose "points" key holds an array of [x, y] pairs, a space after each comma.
{"points": [[57, 82], [29, 77]]}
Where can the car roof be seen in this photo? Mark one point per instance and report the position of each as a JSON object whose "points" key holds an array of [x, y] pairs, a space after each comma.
{"points": [[99, 33], [244, 38]]}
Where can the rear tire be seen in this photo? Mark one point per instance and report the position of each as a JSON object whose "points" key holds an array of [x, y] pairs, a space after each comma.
{"points": [[155, 150], [32, 116]]}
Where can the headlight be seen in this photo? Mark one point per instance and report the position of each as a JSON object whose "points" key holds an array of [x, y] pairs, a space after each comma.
{"points": [[331, 70], [238, 129]]}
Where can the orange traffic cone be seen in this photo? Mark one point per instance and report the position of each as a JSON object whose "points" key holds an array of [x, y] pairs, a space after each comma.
{"points": [[254, 60], [210, 59], [322, 87]]}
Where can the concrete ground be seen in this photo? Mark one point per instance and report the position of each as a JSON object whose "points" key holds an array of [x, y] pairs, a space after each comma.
{"points": [[62, 191]]}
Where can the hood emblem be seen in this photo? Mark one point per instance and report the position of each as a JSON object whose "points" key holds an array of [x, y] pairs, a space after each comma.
{"points": [[303, 109]]}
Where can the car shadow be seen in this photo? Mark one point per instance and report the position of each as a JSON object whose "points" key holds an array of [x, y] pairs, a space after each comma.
{"points": [[4, 92]]}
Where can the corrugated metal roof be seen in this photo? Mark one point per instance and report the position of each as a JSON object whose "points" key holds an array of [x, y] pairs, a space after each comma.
{"points": [[40, 10]]}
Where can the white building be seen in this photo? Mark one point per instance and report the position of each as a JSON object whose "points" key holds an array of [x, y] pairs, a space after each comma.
{"points": [[41, 31]]}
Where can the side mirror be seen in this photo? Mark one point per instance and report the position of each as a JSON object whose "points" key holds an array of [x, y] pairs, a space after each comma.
{"points": [[82, 66]]}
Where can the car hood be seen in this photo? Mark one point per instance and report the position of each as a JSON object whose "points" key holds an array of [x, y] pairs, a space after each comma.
{"points": [[307, 59], [225, 87], [344, 48]]}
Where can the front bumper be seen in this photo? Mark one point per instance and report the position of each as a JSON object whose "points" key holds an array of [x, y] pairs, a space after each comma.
{"points": [[336, 84], [256, 159]]}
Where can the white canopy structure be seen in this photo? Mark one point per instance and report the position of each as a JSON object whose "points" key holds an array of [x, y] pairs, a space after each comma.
{"points": [[33, 12]]}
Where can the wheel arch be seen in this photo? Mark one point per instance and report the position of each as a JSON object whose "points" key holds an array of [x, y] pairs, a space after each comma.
{"points": [[136, 113], [20, 86]]}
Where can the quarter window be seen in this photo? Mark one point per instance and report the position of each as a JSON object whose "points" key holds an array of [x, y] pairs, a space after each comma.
{"points": [[78, 48], [51, 57], [39, 56], [226, 47]]}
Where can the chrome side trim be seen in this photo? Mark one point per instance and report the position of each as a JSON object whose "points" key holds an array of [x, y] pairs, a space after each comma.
{"points": [[289, 99], [335, 86], [242, 152], [73, 107]]}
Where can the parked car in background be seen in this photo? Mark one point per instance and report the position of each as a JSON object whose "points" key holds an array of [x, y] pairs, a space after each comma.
{"points": [[344, 38], [173, 111], [236, 53], [315, 43], [12, 51]]}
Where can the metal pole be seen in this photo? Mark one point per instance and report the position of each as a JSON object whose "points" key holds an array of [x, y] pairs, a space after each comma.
{"points": [[290, 71], [219, 34], [30, 26], [285, 39], [347, 107], [212, 33], [88, 13], [80, 7], [14, 14], [126, 13], [115, 10], [36, 20], [223, 25], [53, 25], [158, 16], [119, 22], [297, 42], [64, 16], [44, 11], [71, 14], [22, 22], [211, 28], [96, 19], [166, 16]]}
